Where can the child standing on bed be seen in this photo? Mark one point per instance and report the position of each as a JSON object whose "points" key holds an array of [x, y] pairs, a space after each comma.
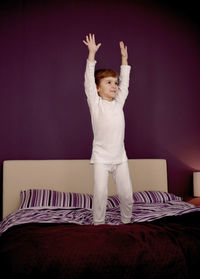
{"points": [[106, 100]]}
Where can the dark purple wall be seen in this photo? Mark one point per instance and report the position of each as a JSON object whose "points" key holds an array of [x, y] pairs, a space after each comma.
{"points": [[43, 109]]}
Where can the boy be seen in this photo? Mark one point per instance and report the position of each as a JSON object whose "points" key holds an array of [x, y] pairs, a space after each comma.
{"points": [[106, 99]]}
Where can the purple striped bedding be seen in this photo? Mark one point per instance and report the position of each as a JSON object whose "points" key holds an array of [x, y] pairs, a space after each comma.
{"points": [[142, 212], [50, 198]]}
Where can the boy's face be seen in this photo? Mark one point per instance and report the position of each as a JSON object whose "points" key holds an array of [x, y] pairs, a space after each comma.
{"points": [[108, 88]]}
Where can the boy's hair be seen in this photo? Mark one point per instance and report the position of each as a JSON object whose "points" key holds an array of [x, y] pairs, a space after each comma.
{"points": [[103, 73]]}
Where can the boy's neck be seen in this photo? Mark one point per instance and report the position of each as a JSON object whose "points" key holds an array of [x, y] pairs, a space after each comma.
{"points": [[107, 99]]}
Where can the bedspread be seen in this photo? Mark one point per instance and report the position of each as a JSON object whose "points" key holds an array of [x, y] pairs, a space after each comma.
{"points": [[168, 247], [141, 212]]}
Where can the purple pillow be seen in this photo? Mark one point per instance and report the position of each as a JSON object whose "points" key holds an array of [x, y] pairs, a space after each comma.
{"points": [[154, 197], [113, 201], [50, 198], [145, 197]]}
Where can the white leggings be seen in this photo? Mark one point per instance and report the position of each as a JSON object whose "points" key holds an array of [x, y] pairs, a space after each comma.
{"points": [[120, 173]]}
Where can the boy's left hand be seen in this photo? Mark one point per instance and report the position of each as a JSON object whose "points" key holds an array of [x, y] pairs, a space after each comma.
{"points": [[124, 51]]}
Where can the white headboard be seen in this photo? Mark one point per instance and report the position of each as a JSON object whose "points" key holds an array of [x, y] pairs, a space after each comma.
{"points": [[73, 176]]}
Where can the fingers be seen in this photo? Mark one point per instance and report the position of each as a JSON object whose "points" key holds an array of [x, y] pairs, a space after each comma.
{"points": [[89, 38], [92, 38], [124, 49], [122, 46], [85, 42], [98, 46], [90, 42]]}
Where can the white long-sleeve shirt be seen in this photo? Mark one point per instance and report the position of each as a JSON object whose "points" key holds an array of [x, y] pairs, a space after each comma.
{"points": [[107, 118]]}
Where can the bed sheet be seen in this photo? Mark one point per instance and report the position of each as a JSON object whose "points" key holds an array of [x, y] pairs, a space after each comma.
{"points": [[141, 212]]}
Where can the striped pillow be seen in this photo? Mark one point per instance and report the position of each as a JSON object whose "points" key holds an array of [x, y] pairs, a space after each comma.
{"points": [[145, 197], [50, 198], [154, 197], [113, 201]]}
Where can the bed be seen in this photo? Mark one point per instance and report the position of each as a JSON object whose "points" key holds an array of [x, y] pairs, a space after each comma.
{"points": [[47, 228]]}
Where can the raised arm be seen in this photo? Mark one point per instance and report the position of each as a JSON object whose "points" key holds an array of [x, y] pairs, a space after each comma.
{"points": [[124, 74], [90, 86]]}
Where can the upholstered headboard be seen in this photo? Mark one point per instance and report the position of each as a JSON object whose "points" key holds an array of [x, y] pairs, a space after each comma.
{"points": [[73, 176]]}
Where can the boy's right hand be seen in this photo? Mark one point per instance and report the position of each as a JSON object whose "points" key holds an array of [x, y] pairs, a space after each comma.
{"points": [[92, 46]]}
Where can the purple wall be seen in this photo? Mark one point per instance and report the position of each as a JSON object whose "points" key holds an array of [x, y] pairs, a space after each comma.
{"points": [[44, 113]]}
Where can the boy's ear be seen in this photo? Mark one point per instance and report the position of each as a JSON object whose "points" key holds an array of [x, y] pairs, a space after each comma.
{"points": [[98, 89]]}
